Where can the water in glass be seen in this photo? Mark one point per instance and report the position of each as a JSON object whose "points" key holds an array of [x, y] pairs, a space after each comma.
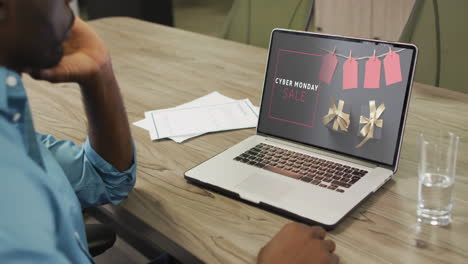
{"points": [[435, 199]]}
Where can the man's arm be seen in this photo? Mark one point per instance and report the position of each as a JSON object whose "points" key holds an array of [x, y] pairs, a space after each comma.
{"points": [[109, 132], [103, 170], [94, 180], [87, 62]]}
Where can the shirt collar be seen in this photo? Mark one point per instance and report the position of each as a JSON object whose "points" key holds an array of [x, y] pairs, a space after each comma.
{"points": [[10, 86]]}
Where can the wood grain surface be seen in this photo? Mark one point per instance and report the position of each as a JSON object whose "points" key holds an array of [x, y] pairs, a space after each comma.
{"points": [[160, 67]]}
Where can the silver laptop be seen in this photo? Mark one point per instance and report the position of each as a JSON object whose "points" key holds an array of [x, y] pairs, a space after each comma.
{"points": [[330, 127]]}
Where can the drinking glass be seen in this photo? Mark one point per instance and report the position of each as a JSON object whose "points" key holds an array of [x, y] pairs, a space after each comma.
{"points": [[437, 169]]}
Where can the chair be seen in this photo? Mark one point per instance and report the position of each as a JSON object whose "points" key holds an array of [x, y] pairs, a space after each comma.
{"points": [[251, 21], [443, 58], [159, 11], [74, 6], [100, 238]]}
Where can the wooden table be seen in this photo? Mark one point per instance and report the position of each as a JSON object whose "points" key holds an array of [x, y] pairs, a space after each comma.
{"points": [[160, 67]]}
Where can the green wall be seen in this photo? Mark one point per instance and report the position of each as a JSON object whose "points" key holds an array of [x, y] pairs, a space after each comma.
{"points": [[454, 44], [250, 19]]}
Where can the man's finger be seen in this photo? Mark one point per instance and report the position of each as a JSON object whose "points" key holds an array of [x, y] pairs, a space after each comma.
{"points": [[329, 245], [334, 259], [45, 75], [318, 232], [54, 75]]}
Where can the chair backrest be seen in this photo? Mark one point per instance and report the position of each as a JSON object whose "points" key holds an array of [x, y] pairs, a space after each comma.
{"points": [[75, 8], [251, 21], [157, 11], [421, 30]]}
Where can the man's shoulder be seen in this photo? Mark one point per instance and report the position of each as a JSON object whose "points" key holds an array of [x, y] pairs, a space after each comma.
{"points": [[29, 217], [21, 178]]}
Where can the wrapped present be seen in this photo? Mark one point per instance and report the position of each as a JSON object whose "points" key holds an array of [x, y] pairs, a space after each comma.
{"points": [[336, 119], [370, 124]]}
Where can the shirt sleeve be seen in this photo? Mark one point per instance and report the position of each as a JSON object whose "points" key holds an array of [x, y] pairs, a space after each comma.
{"points": [[94, 180]]}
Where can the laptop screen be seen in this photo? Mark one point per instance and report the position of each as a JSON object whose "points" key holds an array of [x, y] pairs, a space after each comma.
{"points": [[340, 94]]}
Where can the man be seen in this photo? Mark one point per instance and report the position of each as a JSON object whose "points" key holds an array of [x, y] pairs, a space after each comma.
{"points": [[45, 182]]}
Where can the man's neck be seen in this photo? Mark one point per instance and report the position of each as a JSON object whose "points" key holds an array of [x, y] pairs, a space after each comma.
{"points": [[5, 63]]}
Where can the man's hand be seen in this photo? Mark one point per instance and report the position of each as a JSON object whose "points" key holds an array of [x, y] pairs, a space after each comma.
{"points": [[85, 58], [298, 243]]}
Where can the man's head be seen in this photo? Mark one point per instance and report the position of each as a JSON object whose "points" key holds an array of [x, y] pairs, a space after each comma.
{"points": [[33, 32]]}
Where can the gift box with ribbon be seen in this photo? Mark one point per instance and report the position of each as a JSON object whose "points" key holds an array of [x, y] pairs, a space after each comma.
{"points": [[336, 119], [371, 122]]}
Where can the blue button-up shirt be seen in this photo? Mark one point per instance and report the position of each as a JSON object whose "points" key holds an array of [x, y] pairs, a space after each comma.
{"points": [[45, 183]]}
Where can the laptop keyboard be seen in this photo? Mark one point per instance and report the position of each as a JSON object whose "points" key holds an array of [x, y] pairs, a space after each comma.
{"points": [[326, 174]]}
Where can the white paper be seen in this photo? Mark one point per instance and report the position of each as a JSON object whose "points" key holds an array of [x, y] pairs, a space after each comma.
{"points": [[210, 99], [144, 123], [202, 119]]}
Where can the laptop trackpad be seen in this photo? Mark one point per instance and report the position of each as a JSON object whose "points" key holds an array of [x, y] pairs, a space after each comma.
{"points": [[260, 187]]}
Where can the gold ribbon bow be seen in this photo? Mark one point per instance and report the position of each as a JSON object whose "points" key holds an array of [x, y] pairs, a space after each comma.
{"points": [[341, 119], [368, 130]]}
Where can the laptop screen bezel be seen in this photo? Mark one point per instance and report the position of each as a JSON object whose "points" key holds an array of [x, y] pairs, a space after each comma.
{"points": [[404, 113]]}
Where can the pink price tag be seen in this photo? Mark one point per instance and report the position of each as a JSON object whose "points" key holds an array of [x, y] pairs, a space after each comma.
{"points": [[350, 74], [392, 68], [327, 70], [372, 75]]}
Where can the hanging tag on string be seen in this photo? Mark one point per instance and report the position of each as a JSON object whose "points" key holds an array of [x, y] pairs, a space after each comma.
{"points": [[350, 73], [372, 75], [327, 70], [392, 68]]}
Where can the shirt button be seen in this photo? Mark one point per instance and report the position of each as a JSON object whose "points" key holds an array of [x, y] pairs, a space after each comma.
{"points": [[16, 117], [11, 81]]}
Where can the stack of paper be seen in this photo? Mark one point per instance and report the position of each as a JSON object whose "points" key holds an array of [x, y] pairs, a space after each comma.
{"points": [[211, 113]]}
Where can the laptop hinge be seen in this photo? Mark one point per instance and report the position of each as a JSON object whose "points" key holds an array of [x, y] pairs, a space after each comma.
{"points": [[323, 152]]}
